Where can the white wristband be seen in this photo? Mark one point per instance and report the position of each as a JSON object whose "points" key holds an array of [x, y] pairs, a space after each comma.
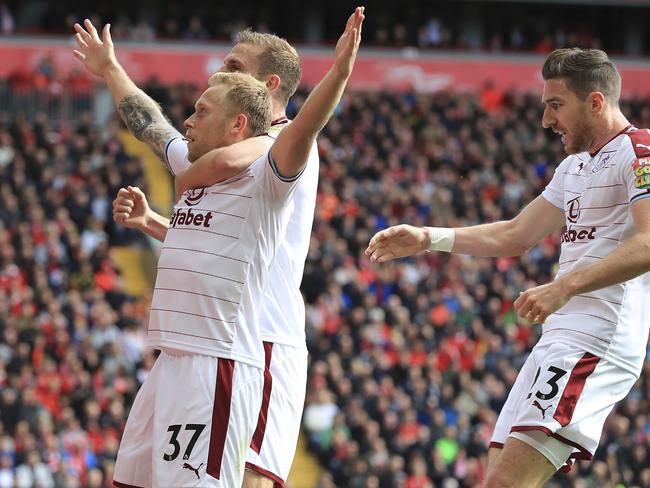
{"points": [[441, 239]]}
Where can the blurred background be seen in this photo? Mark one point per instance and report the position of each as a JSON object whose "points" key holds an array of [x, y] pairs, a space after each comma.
{"points": [[410, 361]]}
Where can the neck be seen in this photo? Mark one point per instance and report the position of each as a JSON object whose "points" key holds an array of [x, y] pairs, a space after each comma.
{"points": [[611, 125], [278, 109]]}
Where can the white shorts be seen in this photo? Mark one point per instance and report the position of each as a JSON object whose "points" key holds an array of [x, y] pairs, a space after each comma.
{"points": [[560, 401], [191, 424], [275, 439]]}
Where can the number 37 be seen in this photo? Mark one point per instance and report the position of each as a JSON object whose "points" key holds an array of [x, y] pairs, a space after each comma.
{"points": [[175, 429]]}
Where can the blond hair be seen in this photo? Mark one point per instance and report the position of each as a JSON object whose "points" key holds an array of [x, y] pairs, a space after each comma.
{"points": [[248, 96], [278, 57]]}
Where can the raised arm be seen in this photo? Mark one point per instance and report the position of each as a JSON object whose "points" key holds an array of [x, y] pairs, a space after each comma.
{"points": [[291, 149], [141, 114], [506, 238], [221, 164]]}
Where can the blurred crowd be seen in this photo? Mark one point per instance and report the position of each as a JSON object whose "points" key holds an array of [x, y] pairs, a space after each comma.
{"points": [[443, 24], [410, 361], [71, 349]]}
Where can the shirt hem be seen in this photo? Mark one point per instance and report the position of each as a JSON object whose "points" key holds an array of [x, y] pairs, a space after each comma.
{"points": [[159, 343], [576, 338]]}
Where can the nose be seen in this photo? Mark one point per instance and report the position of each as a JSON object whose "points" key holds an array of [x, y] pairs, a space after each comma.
{"points": [[547, 118], [189, 122]]}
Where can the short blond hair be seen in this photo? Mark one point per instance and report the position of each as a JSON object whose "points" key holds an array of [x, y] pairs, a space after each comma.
{"points": [[248, 96], [278, 57]]}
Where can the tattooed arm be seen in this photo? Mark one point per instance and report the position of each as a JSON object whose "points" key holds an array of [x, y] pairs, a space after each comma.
{"points": [[146, 121], [141, 114]]}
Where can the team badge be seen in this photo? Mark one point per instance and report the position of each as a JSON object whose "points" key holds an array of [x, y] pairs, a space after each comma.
{"points": [[641, 169], [194, 196]]}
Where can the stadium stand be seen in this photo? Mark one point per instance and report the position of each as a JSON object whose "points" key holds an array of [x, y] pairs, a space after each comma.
{"points": [[410, 362]]}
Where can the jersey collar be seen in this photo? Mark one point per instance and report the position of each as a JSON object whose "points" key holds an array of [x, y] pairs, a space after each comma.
{"points": [[592, 154], [280, 121]]}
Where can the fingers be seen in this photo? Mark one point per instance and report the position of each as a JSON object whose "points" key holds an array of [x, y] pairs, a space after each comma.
{"points": [[106, 35], [82, 32], [529, 308], [135, 193], [382, 255], [376, 238], [91, 30], [80, 41], [80, 56]]}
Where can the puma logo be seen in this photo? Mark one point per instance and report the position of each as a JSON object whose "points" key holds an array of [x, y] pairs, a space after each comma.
{"points": [[196, 470], [643, 145], [543, 410]]}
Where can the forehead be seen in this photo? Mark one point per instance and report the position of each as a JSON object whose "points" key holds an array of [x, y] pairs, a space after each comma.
{"points": [[244, 53], [212, 95], [556, 88]]}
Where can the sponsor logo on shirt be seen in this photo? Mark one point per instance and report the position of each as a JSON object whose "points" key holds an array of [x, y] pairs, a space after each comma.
{"points": [[573, 213], [572, 235], [641, 169], [189, 218]]}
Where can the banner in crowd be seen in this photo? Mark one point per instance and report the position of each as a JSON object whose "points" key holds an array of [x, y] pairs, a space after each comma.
{"points": [[375, 70]]}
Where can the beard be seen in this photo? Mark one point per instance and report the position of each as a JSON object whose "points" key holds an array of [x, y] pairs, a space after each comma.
{"points": [[581, 137]]}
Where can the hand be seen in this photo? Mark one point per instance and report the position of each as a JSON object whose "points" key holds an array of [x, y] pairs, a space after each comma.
{"points": [[96, 54], [348, 44], [536, 304], [396, 242], [130, 208]]}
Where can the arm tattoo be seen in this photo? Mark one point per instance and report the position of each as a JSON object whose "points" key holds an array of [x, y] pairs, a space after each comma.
{"points": [[146, 121]]}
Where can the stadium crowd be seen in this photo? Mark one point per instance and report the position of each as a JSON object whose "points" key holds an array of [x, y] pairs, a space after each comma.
{"points": [[441, 25], [410, 361]]}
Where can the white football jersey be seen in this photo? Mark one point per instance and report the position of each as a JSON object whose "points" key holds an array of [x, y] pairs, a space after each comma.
{"points": [[215, 260], [283, 309], [596, 193]]}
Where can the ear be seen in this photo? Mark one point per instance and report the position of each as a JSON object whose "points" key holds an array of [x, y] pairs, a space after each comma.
{"points": [[273, 83], [240, 124], [597, 102]]}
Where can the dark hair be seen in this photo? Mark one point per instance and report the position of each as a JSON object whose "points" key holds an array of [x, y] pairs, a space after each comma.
{"points": [[585, 71]]}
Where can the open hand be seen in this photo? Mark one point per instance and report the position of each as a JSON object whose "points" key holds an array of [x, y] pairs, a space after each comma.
{"points": [[96, 54], [348, 44], [396, 242]]}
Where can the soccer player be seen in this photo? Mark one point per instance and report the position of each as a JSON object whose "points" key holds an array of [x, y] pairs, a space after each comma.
{"points": [[215, 279], [595, 321], [273, 61]]}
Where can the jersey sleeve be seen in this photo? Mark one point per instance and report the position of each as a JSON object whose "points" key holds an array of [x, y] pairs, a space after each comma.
{"points": [[175, 155], [275, 187], [554, 191], [635, 166]]}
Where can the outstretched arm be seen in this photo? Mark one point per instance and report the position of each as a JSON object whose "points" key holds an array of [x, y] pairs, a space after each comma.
{"points": [[291, 149], [506, 238], [141, 114]]}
